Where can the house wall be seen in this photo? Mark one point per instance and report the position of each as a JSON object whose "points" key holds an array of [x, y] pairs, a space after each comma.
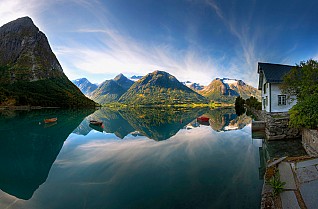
{"points": [[265, 106], [275, 91]]}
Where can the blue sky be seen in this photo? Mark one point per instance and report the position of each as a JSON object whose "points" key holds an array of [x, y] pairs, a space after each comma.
{"points": [[196, 40]]}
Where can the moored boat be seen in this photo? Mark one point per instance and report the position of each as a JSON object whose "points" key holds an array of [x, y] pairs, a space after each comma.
{"points": [[96, 123], [203, 119], [50, 120]]}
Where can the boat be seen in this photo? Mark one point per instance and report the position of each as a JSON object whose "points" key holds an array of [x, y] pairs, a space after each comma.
{"points": [[96, 123], [50, 120], [203, 119]]}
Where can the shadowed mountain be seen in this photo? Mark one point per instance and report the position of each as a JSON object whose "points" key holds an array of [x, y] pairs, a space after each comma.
{"points": [[28, 149], [111, 90], [226, 90], [160, 87], [124, 82], [30, 73], [85, 86]]}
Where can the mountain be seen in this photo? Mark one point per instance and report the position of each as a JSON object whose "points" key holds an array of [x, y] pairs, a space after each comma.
{"points": [[193, 86], [135, 77], [30, 73], [226, 90], [160, 87], [85, 86], [124, 82], [111, 90]]}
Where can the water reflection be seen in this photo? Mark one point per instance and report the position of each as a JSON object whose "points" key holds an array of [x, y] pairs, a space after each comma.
{"points": [[201, 166], [28, 147], [161, 124]]}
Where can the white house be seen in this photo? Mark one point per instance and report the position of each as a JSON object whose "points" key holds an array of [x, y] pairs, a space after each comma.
{"points": [[270, 78]]}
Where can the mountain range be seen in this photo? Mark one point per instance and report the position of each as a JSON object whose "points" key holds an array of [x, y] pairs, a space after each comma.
{"points": [[160, 87], [30, 73], [111, 90]]}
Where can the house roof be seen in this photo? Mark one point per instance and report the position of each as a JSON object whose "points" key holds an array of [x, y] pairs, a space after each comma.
{"points": [[274, 73]]}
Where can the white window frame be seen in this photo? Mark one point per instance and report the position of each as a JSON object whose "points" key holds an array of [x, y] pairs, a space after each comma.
{"points": [[281, 100]]}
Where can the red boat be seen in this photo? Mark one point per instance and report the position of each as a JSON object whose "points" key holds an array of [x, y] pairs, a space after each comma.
{"points": [[203, 119], [50, 120], [96, 123]]}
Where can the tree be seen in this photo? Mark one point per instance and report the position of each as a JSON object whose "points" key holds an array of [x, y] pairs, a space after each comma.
{"points": [[302, 83], [252, 102], [239, 105]]}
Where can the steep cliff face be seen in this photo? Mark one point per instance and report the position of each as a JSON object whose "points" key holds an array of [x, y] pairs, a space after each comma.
{"points": [[30, 73], [26, 53]]}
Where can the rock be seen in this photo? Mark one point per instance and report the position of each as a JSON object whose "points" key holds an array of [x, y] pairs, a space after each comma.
{"points": [[27, 53]]}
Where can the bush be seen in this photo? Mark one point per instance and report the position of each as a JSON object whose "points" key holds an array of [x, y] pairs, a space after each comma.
{"points": [[305, 113], [302, 82]]}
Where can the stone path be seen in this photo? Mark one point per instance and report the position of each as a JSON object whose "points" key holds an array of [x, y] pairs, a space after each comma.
{"points": [[303, 178]]}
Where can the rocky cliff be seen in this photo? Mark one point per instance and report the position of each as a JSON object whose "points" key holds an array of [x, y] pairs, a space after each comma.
{"points": [[30, 73]]}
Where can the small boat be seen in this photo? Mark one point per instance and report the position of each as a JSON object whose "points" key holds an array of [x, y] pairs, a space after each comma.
{"points": [[203, 119], [50, 120], [96, 123]]}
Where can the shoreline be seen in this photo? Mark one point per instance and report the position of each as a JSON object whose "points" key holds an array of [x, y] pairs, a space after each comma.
{"points": [[26, 108]]}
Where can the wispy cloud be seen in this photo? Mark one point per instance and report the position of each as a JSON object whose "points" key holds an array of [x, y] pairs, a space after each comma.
{"points": [[99, 47], [247, 57], [118, 53], [13, 9]]}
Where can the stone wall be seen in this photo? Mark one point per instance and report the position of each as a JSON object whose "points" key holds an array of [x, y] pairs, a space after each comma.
{"points": [[276, 125], [310, 141], [277, 128], [259, 114]]}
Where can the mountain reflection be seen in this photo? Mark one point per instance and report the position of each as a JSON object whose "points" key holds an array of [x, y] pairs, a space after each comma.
{"points": [[161, 123], [28, 147], [225, 119]]}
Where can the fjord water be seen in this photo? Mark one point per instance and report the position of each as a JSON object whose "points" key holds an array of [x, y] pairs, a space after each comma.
{"points": [[140, 158]]}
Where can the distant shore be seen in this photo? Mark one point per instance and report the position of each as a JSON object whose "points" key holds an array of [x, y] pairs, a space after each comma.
{"points": [[191, 105], [25, 107]]}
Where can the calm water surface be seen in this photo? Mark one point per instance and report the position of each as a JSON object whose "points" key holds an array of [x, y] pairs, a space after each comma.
{"points": [[140, 158]]}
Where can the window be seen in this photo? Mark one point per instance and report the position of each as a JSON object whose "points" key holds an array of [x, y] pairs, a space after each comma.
{"points": [[281, 99], [266, 100], [265, 88]]}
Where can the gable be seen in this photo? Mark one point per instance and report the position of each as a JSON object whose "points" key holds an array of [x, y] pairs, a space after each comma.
{"points": [[273, 73]]}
